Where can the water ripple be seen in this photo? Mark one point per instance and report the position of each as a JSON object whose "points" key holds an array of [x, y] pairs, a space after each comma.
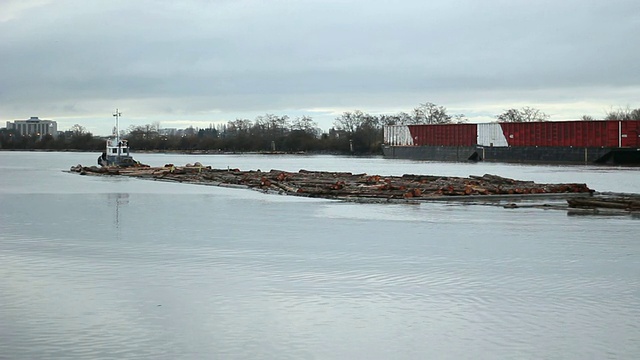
{"points": [[281, 280]]}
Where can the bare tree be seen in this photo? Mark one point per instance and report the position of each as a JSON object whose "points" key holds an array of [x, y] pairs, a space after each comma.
{"points": [[526, 114], [304, 123], [510, 115], [78, 130], [370, 122], [430, 113], [388, 119], [238, 126], [272, 124], [532, 114], [401, 118], [143, 131], [623, 114], [349, 121], [460, 118], [587, 118]]}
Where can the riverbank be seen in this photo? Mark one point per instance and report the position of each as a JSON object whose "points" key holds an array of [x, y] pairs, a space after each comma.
{"points": [[208, 152]]}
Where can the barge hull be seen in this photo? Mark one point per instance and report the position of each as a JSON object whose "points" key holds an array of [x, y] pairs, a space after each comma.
{"points": [[519, 154], [434, 153]]}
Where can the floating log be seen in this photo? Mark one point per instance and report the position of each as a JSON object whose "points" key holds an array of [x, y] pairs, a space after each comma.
{"points": [[344, 185], [628, 203]]}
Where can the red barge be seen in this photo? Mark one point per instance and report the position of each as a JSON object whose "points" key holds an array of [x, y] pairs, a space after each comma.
{"points": [[549, 142]]}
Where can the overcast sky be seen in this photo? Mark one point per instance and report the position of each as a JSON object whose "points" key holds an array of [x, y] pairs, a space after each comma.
{"points": [[196, 62]]}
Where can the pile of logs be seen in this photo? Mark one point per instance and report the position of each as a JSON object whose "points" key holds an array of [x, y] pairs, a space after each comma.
{"points": [[324, 184]]}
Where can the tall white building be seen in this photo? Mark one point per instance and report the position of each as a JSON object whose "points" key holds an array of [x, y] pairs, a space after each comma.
{"points": [[34, 126]]}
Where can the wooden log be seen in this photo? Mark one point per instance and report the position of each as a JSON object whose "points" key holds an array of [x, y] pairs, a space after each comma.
{"points": [[603, 203], [344, 184]]}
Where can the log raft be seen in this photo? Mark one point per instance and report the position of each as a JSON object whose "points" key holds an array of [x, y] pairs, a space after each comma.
{"points": [[349, 186]]}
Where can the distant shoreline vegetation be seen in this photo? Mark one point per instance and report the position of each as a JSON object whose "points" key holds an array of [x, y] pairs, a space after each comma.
{"points": [[354, 132]]}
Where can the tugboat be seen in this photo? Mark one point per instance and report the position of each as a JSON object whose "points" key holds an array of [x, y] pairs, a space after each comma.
{"points": [[117, 151]]}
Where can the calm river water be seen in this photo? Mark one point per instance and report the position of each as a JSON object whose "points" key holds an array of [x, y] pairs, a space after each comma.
{"points": [[98, 268]]}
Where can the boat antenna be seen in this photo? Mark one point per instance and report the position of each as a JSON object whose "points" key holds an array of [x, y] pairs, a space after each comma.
{"points": [[117, 115]]}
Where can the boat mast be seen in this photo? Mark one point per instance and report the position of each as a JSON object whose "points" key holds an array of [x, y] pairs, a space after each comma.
{"points": [[117, 115]]}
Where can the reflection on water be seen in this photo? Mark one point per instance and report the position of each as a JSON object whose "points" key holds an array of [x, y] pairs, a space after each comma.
{"points": [[118, 200], [161, 270]]}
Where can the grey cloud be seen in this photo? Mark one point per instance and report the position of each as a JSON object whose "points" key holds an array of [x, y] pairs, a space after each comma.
{"points": [[299, 54]]}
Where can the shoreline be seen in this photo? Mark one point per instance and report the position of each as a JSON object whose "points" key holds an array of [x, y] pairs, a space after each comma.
{"points": [[203, 152]]}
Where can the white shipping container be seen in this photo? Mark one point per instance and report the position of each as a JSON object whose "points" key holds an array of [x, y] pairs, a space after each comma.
{"points": [[397, 135], [491, 134]]}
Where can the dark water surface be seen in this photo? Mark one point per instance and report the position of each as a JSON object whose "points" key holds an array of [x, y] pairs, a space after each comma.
{"points": [[97, 268]]}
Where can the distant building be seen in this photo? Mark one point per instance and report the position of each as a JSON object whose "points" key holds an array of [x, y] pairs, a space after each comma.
{"points": [[167, 131], [171, 132], [34, 127]]}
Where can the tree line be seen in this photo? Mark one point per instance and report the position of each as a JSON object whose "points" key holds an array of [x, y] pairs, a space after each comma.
{"points": [[353, 132]]}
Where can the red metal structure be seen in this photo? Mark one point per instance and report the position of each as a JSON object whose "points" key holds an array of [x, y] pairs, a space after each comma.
{"points": [[444, 134], [573, 133], [572, 142]]}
